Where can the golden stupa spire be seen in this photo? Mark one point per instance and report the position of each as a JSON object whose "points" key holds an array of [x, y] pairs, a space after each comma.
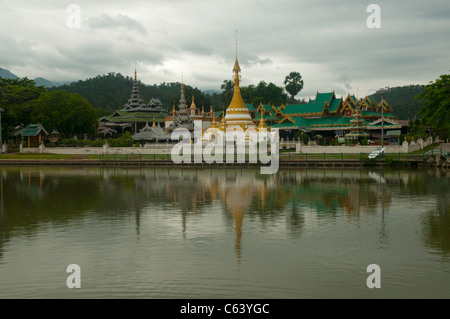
{"points": [[237, 101], [213, 123], [135, 71], [262, 123], [182, 84], [153, 121], [193, 106], [222, 125]]}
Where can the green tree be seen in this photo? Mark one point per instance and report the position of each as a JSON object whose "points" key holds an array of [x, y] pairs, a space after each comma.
{"points": [[293, 84], [227, 88], [16, 98], [402, 99], [436, 109], [69, 113]]}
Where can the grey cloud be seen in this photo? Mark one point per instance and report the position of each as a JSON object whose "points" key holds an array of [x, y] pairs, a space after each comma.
{"points": [[120, 21], [327, 38]]}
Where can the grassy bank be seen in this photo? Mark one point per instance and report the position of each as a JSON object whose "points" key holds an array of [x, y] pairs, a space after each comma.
{"points": [[37, 156]]}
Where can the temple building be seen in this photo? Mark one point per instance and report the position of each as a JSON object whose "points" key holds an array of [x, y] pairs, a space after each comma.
{"points": [[134, 116], [154, 133], [327, 115], [185, 117], [180, 118], [332, 117]]}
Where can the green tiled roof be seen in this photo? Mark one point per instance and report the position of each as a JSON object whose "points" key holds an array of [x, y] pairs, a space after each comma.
{"points": [[372, 99], [250, 107], [316, 123], [329, 121], [323, 97], [33, 130], [267, 117], [303, 108], [371, 113], [267, 107], [298, 122], [136, 117], [334, 105]]}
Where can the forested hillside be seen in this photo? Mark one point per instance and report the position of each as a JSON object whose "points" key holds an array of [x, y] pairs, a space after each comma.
{"points": [[111, 92], [402, 99]]}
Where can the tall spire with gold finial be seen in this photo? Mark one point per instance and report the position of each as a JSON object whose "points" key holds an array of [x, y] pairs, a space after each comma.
{"points": [[135, 100], [237, 114]]}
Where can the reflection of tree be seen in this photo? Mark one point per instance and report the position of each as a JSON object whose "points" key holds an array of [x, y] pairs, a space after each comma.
{"points": [[436, 227]]}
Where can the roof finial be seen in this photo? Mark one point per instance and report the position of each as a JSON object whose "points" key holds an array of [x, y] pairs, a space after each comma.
{"points": [[135, 72], [182, 84], [236, 44]]}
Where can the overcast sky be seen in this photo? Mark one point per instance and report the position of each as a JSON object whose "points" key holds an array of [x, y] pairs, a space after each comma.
{"points": [[328, 42]]}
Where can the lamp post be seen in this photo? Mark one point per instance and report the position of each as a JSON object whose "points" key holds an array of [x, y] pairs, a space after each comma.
{"points": [[381, 92], [1, 141]]}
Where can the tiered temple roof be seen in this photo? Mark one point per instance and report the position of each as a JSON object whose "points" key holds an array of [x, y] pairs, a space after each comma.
{"points": [[134, 114], [181, 118]]}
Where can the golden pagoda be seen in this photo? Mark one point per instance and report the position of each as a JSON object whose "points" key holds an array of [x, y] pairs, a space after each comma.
{"points": [[237, 116]]}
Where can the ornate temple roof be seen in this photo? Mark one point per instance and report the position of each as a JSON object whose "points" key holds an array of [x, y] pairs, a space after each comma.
{"points": [[154, 133], [181, 118], [135, 100], [33, 130], [136, 103]]}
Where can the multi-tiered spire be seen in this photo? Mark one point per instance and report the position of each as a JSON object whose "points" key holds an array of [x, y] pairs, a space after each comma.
{"points": [[135, 99], [182, 118]]}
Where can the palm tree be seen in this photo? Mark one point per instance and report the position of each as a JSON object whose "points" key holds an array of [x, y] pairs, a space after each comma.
{"points": [[293, 84], [227, 88]]}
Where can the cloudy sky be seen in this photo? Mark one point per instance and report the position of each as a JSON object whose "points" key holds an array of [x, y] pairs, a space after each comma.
{"points": [[327, 41]]}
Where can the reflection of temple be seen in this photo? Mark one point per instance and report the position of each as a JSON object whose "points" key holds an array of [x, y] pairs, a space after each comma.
{"points": [[292, 199]]}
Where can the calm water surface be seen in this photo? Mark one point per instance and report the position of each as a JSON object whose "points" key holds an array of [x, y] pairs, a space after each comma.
{"points": [[172, 233]]}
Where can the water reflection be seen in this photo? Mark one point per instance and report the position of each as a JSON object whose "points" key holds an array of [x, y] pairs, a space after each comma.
{"points": [[35, 197]]}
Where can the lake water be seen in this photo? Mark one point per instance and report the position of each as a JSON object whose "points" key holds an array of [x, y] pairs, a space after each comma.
{"points": [[224, 233]]}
